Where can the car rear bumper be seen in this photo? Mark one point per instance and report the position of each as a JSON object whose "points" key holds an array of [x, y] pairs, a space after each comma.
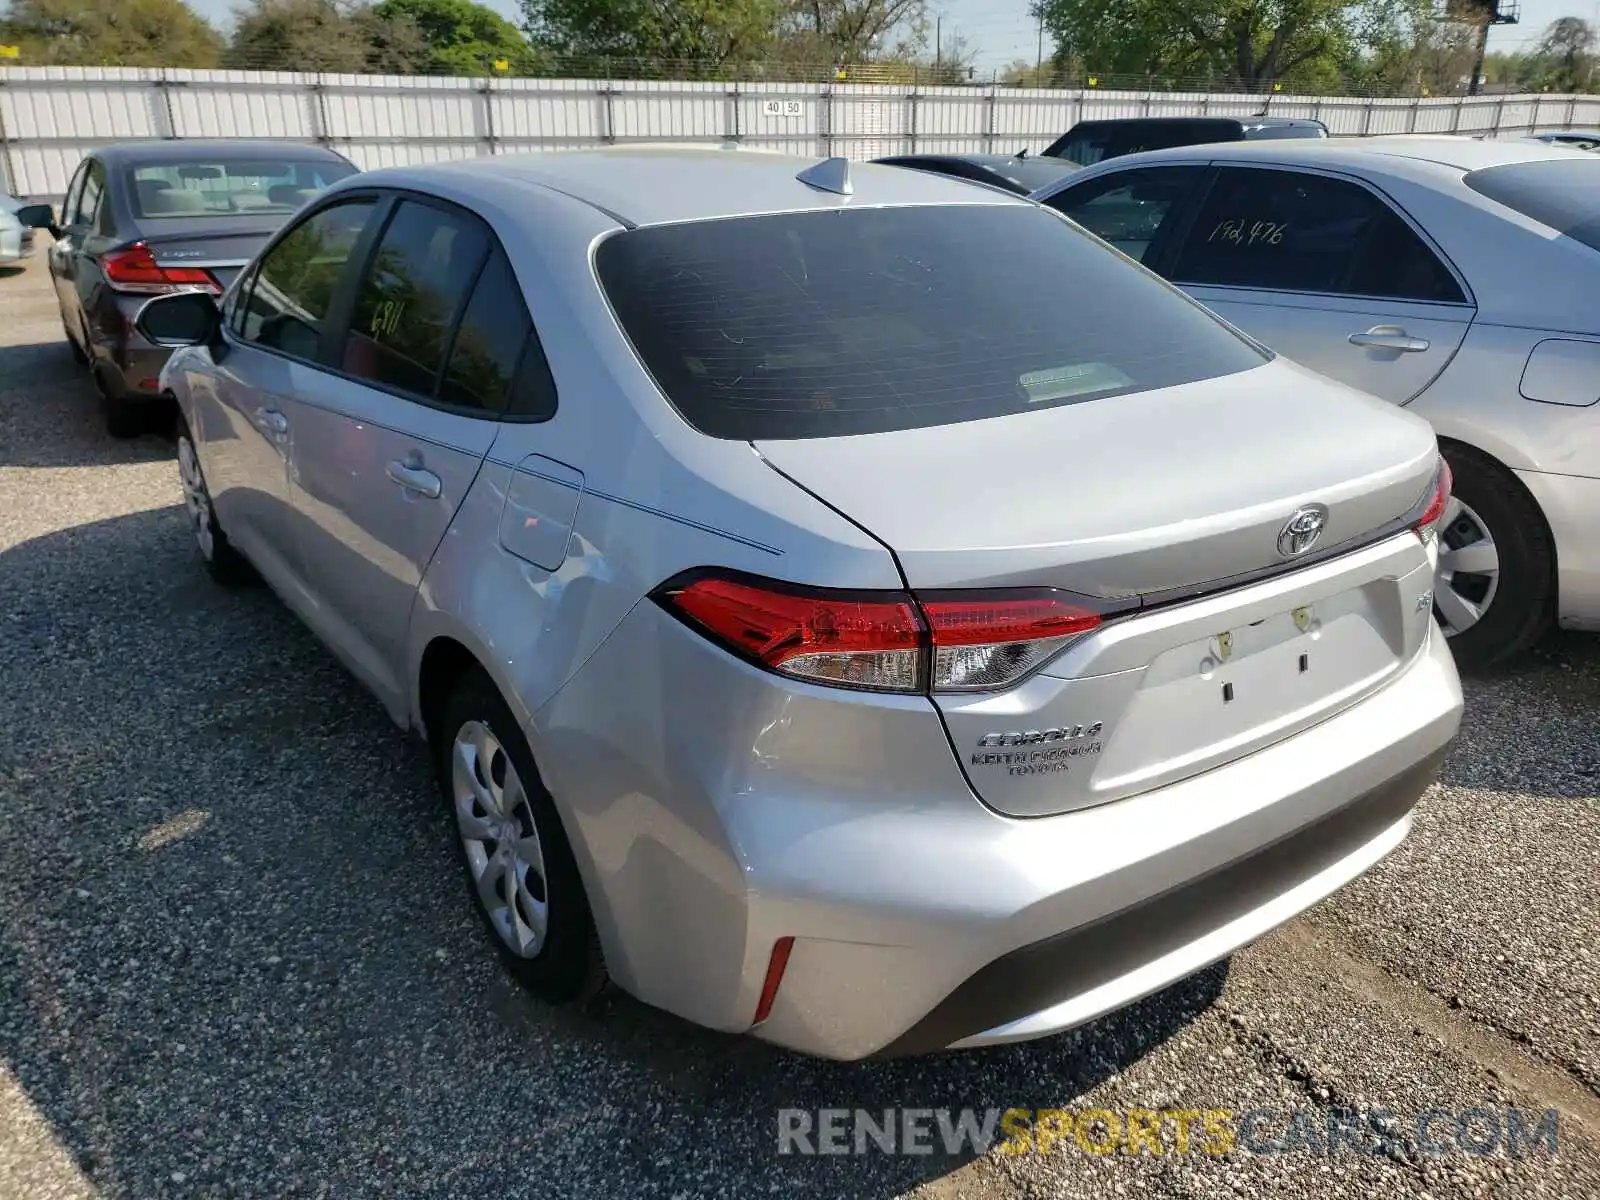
{"points": [[129, 367], [1569, 504], [921, 918]]}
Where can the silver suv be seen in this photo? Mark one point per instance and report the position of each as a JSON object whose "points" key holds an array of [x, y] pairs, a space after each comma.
{"points": [[844, 604]]}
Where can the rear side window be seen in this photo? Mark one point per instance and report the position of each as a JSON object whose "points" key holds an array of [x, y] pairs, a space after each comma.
{"points": [[819, 324], [294, 284], [494, 334], [1561, 193], [1289, 231], [410, 296]]}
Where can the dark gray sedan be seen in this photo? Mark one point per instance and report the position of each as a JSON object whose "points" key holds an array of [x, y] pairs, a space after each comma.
{"points": [[1017, 173], [145, 219]]}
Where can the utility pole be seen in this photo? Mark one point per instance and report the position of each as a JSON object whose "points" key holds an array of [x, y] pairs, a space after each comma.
{"points": [[938, 40], [1482, 53], [1038, 59]]}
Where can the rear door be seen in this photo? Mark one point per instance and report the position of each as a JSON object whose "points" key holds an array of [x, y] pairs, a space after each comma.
{"points": [[390, 436], [1326, 271]]}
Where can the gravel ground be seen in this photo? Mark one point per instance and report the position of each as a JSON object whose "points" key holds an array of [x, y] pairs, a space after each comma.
{"points": [[236, 959]]}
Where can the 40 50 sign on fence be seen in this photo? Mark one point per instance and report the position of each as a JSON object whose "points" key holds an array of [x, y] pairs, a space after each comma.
{"points": [[783, 108]]}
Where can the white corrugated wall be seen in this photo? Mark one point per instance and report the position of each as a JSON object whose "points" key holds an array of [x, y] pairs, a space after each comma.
{"points": [[50, 115]]}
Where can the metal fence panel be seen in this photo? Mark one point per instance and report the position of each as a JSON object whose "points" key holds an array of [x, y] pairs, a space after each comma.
{"points": [[49, 116]]}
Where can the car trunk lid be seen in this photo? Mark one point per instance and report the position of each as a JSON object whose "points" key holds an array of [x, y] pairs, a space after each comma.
{"points": [[1167, 506]]}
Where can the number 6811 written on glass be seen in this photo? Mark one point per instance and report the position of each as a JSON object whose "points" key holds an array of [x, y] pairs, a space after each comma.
{"points": [[1240, 233]]}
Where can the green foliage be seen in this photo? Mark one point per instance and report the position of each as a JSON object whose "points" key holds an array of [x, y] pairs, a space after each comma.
{"points": [[323, 35], [462, 37], [1250, 43], [708, 31], [92, 33]]}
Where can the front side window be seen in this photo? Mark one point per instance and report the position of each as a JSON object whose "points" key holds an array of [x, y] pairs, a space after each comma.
{"points": [[295, 281], [819, 324], [1131, 209], [69, 204], [410, 296], [1294, 232], [229, 188]]}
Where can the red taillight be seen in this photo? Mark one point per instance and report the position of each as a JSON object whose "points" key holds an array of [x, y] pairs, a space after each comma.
{"points": [[882, 641], [867, 641], [136, 270], [1438, 501], [776, 966], [986, 641]]}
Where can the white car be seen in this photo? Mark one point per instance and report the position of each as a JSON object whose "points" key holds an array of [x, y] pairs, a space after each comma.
{"points": [[18, 220], [1458, 277]]}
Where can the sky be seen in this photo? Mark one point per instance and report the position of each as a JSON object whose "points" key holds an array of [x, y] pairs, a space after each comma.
{"points": [[1001, 31]]}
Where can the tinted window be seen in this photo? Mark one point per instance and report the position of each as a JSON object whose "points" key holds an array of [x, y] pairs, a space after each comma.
{"points": [[488, 343], [1562, 193], [1130, 209], [866, 320], [89, 200], [1258, 132], [410, 296], [225, 188], [69, 204], [1308, 233], [1091, 143], [295, 282]]}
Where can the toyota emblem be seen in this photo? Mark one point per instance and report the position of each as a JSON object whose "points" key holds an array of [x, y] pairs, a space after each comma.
{"points": [[1301, 531]]}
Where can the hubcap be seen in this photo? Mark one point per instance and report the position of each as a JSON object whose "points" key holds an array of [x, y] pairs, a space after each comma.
{"points": [[501, 841], [1469, 569], [195, 497]]}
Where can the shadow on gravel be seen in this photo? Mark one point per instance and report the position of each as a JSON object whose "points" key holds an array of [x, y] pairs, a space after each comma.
{"points": [[50, 414], [237, 959], [1530, 724]]}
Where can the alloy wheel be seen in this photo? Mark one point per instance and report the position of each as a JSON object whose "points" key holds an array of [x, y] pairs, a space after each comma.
{"points": [[195, 498], [500, 839], [1468, 575]]}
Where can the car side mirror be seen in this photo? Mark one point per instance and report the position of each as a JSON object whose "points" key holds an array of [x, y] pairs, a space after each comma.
{"points": [[181, 319], [37, 216]]}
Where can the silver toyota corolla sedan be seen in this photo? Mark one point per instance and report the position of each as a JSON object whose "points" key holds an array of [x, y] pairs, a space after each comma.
{"points": [[844, 604], [1457, 277]]}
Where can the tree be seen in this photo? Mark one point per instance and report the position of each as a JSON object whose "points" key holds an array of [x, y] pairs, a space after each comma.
{"points": [[714, 32], [1566, 55], [323, 35], [1253, 43], [859, 31], [462, 37], [111, 33]]}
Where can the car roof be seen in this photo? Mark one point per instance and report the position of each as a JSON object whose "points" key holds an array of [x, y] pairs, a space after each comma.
{"points": [[660, 185], [170, 150], [1256, 121], [1453, 151]]}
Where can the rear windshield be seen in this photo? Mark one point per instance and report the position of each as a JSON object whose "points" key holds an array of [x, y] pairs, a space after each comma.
{"points": [[1255, 133], [1561, 193], [219, 189], [1087, 144], [819, 324]]}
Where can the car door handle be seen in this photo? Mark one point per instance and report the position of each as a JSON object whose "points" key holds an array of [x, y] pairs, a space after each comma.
{"points": [[271, 420], [1389, 337], [415, 479]]}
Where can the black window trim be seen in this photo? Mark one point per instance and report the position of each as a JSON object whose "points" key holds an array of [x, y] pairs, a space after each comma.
{"points": [[341, 306], [1467, 302]]}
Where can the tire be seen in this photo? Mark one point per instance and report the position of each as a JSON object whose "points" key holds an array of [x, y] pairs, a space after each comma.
{"points": [[79, 355], [223, 563], [1515, 604], [477, 746], [125, 418]]}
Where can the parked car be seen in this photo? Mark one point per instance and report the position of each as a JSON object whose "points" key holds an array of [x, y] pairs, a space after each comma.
{"points": [[1019, 173], [149, 218], [1454, 276], [1089, 142], [822, 619], [1577, 139], [18, 220]]}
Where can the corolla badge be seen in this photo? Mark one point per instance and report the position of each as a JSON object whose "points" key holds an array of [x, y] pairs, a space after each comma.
{"points": [[1301, 531]]}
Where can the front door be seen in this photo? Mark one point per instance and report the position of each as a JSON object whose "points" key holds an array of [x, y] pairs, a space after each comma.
{"points": [[273, 333]]}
